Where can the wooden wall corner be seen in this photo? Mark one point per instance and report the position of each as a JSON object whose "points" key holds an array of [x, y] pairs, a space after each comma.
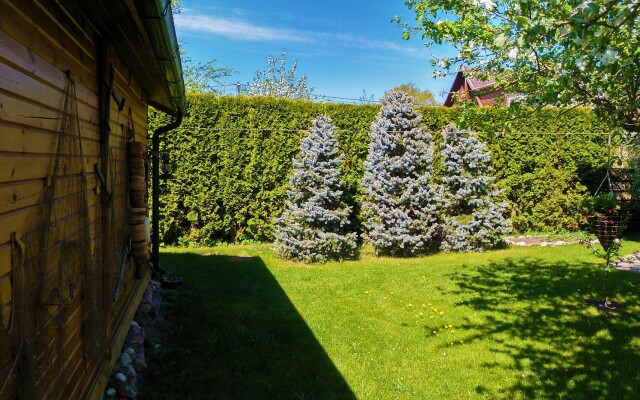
{"points": [[99, 384]]}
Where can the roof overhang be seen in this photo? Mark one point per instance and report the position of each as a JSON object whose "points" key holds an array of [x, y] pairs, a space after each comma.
{"points": [[143, 35], [457, 84]]}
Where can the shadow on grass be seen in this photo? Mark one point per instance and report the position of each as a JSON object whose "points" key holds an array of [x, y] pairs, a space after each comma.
{"points": [[234, 334], [535, 318]]}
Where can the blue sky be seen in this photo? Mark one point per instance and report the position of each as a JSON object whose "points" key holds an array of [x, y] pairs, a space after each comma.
{"points": [[344, 47]]}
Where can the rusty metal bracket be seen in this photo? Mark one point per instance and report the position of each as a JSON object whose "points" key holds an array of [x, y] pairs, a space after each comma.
{"points": [[112, 91], [102, 179]]}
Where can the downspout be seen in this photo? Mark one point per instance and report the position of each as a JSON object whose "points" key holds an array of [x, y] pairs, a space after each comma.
{"points": [[155, 187]]}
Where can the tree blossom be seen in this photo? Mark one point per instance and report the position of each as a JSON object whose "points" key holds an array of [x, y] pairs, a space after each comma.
{"points": [[562, 53]]}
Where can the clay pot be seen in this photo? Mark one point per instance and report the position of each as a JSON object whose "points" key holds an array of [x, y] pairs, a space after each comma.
{"points": [[140, 251], [142, 258], [137, 218], [138, 211], [138, 233], [137, 183], [138, 199], [136, 149], [136, 166]]}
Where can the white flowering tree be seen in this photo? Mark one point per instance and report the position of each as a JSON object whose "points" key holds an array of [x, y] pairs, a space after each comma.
{"points": [[314, 226], [399, 202], [572, 52], [278, 81]]}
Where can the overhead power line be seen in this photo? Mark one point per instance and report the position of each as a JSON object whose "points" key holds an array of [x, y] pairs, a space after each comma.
{"points": [[237, 88]]}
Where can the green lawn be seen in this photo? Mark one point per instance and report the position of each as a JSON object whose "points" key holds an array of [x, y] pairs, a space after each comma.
{"points": [[506, 324]]}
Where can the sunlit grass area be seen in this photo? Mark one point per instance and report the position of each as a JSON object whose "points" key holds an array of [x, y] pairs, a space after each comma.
{"points": [[499, 325]]}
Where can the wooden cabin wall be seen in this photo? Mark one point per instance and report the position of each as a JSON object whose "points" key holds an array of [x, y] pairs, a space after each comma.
{"points": [[39, 42]]}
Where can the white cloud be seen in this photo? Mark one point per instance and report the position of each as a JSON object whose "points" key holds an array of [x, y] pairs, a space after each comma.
{"points": [[236, 29], [363, 42]]}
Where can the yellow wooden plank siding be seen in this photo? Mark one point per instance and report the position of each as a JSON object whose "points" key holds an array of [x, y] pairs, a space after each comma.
{"points": [[39, 43]]}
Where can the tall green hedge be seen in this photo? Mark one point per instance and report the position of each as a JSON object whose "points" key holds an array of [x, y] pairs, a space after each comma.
{"points": [[231, 158]]}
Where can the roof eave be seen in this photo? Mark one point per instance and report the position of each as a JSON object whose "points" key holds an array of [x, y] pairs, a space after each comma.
{"points": [[157, 18], [457, 83], [147, 46]]}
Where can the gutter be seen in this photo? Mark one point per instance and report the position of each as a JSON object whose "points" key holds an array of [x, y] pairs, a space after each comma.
{"points": [[157, 18], [155, 185]]}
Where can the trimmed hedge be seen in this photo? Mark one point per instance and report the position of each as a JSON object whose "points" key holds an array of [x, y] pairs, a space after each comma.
{"points": [[231, 159]]}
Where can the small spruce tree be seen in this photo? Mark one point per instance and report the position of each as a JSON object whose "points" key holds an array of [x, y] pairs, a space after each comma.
{"points": [[399, 202], [313, 227], [473, 218]]}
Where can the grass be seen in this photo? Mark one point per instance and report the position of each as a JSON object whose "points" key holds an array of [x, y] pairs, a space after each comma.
{"points": [[508, 324]]}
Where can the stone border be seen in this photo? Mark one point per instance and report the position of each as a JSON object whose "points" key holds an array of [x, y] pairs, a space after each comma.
{"points": [[629, 263], [123, 383], [538, 241]]}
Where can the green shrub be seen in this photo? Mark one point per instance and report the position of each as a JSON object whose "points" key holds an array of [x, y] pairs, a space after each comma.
{"points": [[232, 159]]}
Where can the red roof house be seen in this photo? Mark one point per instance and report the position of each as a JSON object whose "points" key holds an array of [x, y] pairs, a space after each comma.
{"points": [[484, 93]]}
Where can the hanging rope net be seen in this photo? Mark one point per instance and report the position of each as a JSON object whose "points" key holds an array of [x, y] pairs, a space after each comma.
{"points": [[55, 279], [118, 237]]}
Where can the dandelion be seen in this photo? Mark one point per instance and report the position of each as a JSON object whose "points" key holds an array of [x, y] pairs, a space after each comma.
{"points": [[432, 316], [441, 312], [461, 341], [435, 332]]}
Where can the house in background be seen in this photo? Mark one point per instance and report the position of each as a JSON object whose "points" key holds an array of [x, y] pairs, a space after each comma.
{"points": [[482, 93], [76, 81]]}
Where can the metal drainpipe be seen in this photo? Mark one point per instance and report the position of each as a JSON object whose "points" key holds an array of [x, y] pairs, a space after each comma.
{"points": [[155, 185]]}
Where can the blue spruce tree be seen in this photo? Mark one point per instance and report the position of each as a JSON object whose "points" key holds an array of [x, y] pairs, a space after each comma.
{"points": [[399, 202], [473, 218], [313, 227]]}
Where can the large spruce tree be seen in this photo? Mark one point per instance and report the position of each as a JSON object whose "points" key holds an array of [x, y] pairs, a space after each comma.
{"points": [[399, 202], [474, 219], [314, 226]]}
